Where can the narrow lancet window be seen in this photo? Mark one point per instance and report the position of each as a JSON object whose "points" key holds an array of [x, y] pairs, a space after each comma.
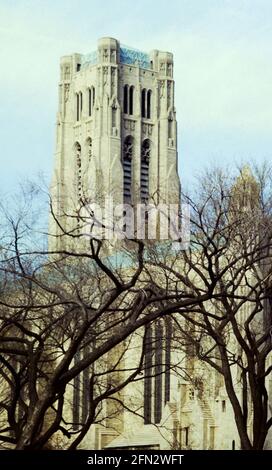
{"points": [[131, 93], [125, 104], [148, 105]]}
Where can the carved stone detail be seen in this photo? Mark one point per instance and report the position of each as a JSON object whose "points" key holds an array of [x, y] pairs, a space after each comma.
{"points": [[66, 92], [169, 70], [129, 124], [105, 75], [113, 55], [169, 92], [113, 73], [147, 129], [105, 55], [66, 72], [161, 88]]}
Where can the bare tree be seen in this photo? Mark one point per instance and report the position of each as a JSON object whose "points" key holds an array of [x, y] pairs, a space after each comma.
{"points": [[63, 314], [74, 310], [230, 256]]}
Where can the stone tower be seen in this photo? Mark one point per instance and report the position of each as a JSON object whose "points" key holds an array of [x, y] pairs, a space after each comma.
{"points": [[116, 129]]}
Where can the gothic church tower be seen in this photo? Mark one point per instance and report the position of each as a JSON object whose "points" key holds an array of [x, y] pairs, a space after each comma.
{"points": [[116, 129]]}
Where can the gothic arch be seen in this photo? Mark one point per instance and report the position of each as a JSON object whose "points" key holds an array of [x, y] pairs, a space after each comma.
{"points": [[114, 113], [148, 104], [91, 99], [128, 99], [170, 127], [157, 358], [125, 99], [79, 105], [143, 102], [131, 99], [144, 177], [127, 167]]}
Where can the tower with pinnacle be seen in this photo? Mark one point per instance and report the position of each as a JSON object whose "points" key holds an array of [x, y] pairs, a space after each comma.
{"points": [[116, 130]]}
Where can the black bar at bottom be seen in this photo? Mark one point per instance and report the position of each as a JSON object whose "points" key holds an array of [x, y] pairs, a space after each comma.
{"points": [[116, 459]]}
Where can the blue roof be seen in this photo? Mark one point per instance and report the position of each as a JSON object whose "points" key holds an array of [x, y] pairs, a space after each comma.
{"points": [[128, 55], [132, 56]]}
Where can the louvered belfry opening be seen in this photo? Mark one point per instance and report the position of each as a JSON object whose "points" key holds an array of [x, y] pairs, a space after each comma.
{"points": [[79, 175], [127, 166], [145, 157]]}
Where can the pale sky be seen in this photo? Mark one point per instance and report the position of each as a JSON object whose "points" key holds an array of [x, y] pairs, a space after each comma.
{"points": [[222, 55]]}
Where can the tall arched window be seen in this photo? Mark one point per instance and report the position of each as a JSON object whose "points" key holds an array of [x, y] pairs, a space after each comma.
{"points": [[145, 157], [143, 100], [148, 104], [125, 103], [79, 105], [78, 166], [90, 102], [128, 99], [127, 166], [131, 92], [148, 362], [80, 102], [157, 369], [170, 128], [113, 115], [91, 99]]}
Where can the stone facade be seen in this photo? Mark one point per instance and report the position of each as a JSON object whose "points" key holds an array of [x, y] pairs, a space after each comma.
{"points": [[116, 129], [117, 137]]}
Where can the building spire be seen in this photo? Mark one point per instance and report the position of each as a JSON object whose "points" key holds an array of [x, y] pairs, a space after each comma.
{"points": [[245, 191]]}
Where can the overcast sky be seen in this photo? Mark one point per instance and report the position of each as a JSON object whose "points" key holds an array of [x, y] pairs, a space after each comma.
{"points": [[222, 52]]}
